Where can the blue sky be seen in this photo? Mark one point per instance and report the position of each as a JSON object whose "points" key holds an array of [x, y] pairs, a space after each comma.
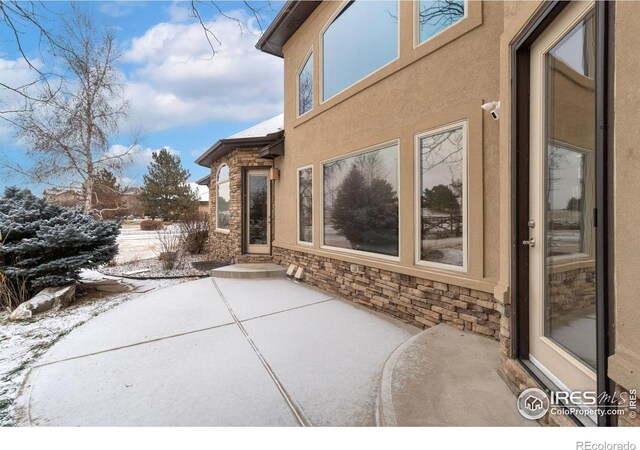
{"points": [[180, 97]]}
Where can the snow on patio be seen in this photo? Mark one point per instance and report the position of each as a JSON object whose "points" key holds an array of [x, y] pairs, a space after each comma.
{"points": [[23, 342]]}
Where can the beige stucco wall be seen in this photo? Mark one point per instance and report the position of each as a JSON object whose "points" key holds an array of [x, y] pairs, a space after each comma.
{"points": [[433, 85], [624, 366]]}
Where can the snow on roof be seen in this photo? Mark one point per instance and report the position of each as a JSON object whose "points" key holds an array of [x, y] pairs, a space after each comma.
{"points": [[262, 129]]}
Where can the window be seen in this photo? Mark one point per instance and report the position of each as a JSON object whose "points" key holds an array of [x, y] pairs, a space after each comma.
{"points": [[223, 197], [305, 205], [434, 16], [305, 86], [360, 202], [442, 196], [359, 41]]}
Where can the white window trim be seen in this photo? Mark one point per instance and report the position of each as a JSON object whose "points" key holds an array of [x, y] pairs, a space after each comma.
{"points": [[416, 24], [387, 144], [321, 99], [300, 169], [218, 183], [313, 84], [465, 198]]}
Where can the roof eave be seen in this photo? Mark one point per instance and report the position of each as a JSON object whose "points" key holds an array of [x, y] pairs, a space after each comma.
{"points": [[284, 25], [226, 146]]}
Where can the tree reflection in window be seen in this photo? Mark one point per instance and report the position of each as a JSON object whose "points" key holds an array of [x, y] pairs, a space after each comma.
{"points": [[305, 205], [305, 87], [435, 16], [361, 202], [442, 195]]}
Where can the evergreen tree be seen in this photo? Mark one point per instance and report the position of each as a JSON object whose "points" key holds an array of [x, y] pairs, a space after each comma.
{"points": [[44, 244], [441, 199], [366, 213], [107, 196], [165, 192]]}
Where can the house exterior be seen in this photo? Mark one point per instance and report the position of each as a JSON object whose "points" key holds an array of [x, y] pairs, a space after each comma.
{"points": [[67, 198], [459, 162]]}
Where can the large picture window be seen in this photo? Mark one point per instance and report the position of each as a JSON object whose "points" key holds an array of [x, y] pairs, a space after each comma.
{"points": [[305, 86], [359, 41], [305, 205], [435, 16], [360, 202], [223, 196], [442, 196]]}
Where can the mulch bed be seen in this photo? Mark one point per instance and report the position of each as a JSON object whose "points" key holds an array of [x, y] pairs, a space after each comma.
{"points": [[191, 266]]}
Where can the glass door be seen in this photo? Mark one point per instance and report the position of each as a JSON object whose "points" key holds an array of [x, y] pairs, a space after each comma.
{"points": [[562, 259], [258, 212]]}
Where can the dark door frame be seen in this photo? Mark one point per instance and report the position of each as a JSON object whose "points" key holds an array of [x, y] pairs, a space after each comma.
{"points": [[520, 87], [243, 234]]}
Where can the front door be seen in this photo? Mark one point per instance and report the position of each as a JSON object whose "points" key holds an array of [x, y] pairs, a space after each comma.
{"points": [[562, 236], [257, 214]]}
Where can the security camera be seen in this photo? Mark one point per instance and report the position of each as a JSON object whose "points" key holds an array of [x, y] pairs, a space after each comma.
{"points": [[493, 108]]}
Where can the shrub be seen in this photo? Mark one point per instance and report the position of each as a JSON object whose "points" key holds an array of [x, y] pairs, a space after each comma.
{"points": [[170, 246], [47, 245], [151, 225], [195, 232]]}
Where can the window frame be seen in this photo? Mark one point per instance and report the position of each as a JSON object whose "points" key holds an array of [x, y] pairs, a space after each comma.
{"points": [[386, 144], [416, 25], [334, 16], [309, 56], [313, 208], [464, 124], [218, 183]]}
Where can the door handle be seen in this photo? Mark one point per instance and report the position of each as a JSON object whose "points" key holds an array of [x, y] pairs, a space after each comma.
{"points": [[531, 242]]}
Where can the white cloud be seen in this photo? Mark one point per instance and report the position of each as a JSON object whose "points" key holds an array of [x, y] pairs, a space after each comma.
{"points": [[178, 12], [117, 8], [177, 82], [203, 191], [139, 156]]}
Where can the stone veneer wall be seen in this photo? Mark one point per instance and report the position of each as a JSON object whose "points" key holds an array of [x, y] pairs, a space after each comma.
{"points": [[413, 300], [223, 246]]}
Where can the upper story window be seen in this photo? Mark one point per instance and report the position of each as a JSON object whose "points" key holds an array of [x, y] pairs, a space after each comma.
{"points": [[362, 38], [223, 197], [305, 86], [434, 16]]}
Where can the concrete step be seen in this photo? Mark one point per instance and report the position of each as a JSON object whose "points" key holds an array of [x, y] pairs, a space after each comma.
{"points": [[249, 271], [446, 377]]}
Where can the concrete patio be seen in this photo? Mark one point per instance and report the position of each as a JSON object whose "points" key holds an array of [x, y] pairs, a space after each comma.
{"points": [[263, 352], [216, 352]]}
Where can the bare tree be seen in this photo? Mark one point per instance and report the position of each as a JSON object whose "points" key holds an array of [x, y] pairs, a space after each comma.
{"points": [[441, 13], [67, 130], [256, 10]]}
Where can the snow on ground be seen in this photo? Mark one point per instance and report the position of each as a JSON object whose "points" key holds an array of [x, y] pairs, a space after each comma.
{"points": [[22, 343]]}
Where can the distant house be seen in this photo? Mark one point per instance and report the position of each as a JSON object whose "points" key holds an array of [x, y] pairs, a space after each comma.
{"points": [[68, 198], [203, 194], [131, 202]]}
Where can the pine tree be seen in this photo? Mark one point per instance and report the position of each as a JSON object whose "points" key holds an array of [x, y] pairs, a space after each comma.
{"points": [[107, 196], [366, 213], [47, 245], [165, 192], [441, 199]]}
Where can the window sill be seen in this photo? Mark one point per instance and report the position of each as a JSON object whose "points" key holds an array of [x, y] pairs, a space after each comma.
{"points": [[221, 231]]}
